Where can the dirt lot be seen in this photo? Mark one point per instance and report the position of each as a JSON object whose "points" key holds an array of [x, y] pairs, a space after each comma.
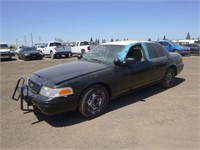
{"points": [[149, 119]]}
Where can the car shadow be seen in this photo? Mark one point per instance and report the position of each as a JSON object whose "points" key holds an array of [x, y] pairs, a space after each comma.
{"points": [[6, 60], [73, 118]]}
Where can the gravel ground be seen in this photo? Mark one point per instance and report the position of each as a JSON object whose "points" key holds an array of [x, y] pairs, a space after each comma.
{"points": [[149, 119]]}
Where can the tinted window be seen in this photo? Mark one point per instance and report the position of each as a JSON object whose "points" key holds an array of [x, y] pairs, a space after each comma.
{"points": [[84, 43], [29, 49], [155, 50], [55, 44], [160, 50], [3, 46]]}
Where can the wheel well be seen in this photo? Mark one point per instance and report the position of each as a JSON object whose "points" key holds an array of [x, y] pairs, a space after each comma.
{"points": [[99, 83], [176, 50], [174, 68]]}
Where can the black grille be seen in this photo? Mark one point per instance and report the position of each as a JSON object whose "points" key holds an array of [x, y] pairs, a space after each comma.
{"points": [[33, 86], [33, 55]]}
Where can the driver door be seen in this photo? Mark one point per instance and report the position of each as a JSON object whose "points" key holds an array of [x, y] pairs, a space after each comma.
{"points": [[133, 75]]}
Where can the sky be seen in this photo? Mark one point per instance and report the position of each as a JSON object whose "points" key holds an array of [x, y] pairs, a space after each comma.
{"points": [[83, 19]]}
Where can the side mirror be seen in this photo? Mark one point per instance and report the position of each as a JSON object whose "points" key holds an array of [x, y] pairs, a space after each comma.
{"points": [[130, 61], [117, 62], [79, 56]]}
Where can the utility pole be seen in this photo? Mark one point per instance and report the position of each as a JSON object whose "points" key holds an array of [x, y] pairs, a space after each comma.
{"points": [[25, 42], [31, 38], [39, 39], [16, 43]]}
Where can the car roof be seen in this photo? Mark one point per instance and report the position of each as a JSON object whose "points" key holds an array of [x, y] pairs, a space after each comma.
{"points": [[125, 43], [120, 43]]}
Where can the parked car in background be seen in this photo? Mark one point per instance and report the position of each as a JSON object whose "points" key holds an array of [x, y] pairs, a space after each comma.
{"points": [[18, 49], [104, 73], [5, 52], [56, 49], [194, 48], [28, 53], [40, 46], [80, 47], [173, 47]]}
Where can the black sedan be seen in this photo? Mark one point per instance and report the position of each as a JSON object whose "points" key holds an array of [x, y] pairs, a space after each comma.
{"points": [[104, 73], [27, 53], [194, 48]]}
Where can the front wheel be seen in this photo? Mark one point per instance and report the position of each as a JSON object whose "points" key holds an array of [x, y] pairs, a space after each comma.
{"points": [[169, 78], [93, 101]]}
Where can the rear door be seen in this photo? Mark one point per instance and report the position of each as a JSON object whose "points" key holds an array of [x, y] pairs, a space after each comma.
{"points": [[158, 58]]}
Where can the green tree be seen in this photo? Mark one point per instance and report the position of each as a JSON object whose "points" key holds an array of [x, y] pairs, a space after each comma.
{"points": [[12, 46], [149, 39], [164, 38], [188, 37], [91, 40]]}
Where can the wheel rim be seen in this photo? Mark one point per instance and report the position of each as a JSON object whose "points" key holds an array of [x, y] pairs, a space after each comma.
{"points": [[169, 77], [96, 101]]}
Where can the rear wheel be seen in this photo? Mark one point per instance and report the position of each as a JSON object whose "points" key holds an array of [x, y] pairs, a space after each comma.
{"points": [[52, 55], [176, 51], [82, 51], [169, 78], [93, 101]]}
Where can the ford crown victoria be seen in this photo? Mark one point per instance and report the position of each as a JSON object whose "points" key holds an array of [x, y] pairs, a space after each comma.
{"points": [[100, 75]]}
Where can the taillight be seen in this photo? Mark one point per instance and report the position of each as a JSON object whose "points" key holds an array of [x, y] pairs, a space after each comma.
{"points": [[88, 47]]}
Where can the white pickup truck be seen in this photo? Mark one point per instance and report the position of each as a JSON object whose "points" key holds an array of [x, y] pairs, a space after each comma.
{"points": [[56, 49], [80, 47], [5, 51]]}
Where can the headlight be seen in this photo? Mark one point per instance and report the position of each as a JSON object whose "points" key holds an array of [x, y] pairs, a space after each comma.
{"points": [[49, 92]]}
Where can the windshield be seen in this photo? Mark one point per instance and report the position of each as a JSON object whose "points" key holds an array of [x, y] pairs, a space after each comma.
{"points": [[104, 53], [3, 46], [29, 49], [173, 44], [40, 45]]}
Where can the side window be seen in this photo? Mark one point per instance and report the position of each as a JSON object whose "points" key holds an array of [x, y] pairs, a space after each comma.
{"points": [[160, 50], [136, 53], [155, 50]]}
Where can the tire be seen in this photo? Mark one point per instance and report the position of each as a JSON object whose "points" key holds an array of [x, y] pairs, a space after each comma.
{"points": [[93, 102], [24, 58], [169, 78], [18, 57], [67, 56], [82, 51], [176, 51], [52, 55]]}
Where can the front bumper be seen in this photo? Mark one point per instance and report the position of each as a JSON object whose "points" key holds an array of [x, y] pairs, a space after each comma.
{"points": [[184, 52], [47, 106], [5, 55]]}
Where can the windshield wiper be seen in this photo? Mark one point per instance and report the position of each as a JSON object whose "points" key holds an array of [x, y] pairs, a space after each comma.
{"points": [[99, 61]]}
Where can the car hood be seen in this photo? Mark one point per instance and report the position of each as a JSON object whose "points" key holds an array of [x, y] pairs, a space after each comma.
{"points": [[63, 72], [4, 50]]}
